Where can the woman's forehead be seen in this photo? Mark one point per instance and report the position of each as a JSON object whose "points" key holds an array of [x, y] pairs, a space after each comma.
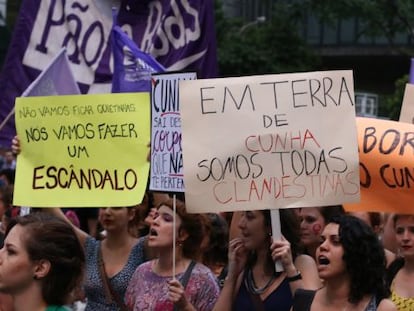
{"points": [[405, 219], [331, 229], [165, 209], [16, 235], [314, 211]]}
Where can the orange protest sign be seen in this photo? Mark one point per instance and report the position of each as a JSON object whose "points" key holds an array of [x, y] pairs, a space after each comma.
{"points": [[386, 150]]}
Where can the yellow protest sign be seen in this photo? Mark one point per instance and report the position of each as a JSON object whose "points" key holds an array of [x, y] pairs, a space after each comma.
{"points": [[267, 142], [386, 150], [82, 150]]}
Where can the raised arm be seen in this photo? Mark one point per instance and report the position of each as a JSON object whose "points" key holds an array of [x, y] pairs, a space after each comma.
{"points": [[237, 261], [82, 235], [307, 267], [301, 272]]}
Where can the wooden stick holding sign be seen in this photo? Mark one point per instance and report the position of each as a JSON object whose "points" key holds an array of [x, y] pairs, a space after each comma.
{"points": [[276, 233], [174, 232]]}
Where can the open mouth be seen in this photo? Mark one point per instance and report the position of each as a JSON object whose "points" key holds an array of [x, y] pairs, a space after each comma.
{"points": [[323, 261], [153, 232]]}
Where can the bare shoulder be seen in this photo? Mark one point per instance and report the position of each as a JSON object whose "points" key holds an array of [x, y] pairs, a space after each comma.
{"points": [[389, 256], [307, 267], [386, 305], [304, 260]]}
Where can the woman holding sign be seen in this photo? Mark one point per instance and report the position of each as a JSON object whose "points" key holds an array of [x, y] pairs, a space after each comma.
{"points": [[351, 262], [401, 270], [174, 279], [252, 281]]}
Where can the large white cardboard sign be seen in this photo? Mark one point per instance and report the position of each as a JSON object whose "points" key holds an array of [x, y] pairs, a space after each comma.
{"points": [[272, 141]]}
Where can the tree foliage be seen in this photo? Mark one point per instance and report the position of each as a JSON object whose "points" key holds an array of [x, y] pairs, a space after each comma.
{"points": [[6, 31], [388, 18], [392, 103], [274, 46], [277, 46]]}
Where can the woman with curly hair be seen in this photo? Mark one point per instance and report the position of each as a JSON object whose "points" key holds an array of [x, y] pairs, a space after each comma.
{"points": [[312, 221], [351, 262]]}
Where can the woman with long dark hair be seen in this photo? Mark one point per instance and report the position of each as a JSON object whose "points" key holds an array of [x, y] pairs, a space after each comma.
{"points": [[252, 282]]}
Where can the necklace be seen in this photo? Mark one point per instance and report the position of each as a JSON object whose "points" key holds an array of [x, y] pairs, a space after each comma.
{"points": [[251, 285]]}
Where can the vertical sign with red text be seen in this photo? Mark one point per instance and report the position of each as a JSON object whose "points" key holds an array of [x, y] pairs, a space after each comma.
{"points": [[166, 151]]}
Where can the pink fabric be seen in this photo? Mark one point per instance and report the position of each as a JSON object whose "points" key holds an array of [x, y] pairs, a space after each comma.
{"points": [[71, 215], [149, 291]]}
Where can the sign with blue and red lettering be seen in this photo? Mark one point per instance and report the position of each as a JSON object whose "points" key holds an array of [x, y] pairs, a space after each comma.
{"points": [[166, 152]]}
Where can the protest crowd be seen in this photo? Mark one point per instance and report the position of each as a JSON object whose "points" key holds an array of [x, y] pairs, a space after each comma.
{"points": [[164, 253], [331, 259]]}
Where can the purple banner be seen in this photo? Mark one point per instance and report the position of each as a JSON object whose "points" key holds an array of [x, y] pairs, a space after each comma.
{"points": [[179, 34]]}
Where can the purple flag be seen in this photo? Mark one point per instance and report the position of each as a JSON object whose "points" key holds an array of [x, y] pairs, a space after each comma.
{"points": [[55, 79], [132, 67], [411, 77], [179, 34]]}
